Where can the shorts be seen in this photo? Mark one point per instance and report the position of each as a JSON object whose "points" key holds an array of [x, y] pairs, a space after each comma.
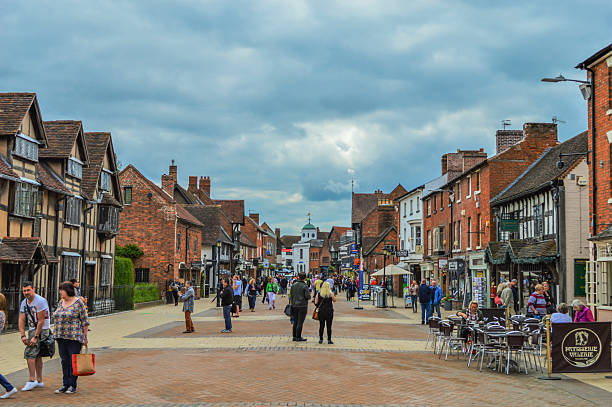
{"points": [[32, 352]]}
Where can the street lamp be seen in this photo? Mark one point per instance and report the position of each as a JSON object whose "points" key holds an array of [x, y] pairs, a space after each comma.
{"points": [[384, 285]]}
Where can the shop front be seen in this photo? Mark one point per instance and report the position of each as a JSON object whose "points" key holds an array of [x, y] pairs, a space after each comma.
{"points": [[599, 277], [457, 280], [477, 269]]}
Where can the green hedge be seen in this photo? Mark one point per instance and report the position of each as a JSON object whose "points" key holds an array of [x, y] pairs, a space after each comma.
{"points": [[145, 292], [123, 292]]}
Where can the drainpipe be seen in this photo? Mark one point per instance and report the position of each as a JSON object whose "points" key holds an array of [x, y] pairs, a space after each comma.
{"points": [[56, 238], [83, 275], [559, 200]]}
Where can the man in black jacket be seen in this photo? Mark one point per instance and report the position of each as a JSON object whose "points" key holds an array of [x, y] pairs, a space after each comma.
{"points": [[227, 299], [299, 306], [425, 296]]}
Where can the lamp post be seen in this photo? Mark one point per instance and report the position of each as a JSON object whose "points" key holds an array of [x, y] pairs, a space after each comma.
{"points": [[218, 280], [384, 285], [587, 88]]}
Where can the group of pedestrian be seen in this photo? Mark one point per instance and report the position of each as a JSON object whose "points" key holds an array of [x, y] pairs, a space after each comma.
{"points": [[324, 298], [430, 297], [71, 326]]}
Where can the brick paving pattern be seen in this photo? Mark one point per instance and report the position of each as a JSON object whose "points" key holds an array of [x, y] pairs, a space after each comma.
{"points": [[142, 359]]}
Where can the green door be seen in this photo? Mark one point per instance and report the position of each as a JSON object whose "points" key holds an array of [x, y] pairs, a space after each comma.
{"points": [[579, 276]]}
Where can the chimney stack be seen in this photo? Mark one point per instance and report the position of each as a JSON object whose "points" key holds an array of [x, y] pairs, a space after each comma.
{"points": [[168, 181], [504, 139], [205, 185], [277, 232], [255, 217], [172, 172]]}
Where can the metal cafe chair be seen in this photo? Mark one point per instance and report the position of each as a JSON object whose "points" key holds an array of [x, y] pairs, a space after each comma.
{"points": [[489, 345], [433, 332], [532, 347], [515, 342], [448, 339]]}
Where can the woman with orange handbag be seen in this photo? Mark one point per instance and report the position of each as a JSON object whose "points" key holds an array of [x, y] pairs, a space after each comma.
{"points": [[325, 303], [71, 324]]}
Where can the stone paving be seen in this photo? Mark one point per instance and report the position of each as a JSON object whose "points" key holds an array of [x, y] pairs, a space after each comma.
{"points": [[378, 359]]}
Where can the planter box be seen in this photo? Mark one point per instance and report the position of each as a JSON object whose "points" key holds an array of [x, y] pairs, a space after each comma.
{"points": [[448, 305]]}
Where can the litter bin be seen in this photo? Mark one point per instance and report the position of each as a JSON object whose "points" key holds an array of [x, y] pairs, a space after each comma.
{"points": [[381, 299]]}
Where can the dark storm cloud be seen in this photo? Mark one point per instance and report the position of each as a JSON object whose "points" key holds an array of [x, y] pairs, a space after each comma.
{"points": [[281, 103]]}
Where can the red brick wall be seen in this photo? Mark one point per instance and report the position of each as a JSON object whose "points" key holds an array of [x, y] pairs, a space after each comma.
{"points": [[150, 224], [603, 123], [375, 259]]}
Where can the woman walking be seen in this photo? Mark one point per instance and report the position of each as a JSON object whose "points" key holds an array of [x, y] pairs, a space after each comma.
{"points": [[414, 295], [264, 286], [10, 389], [252, 294], [71, 324], [271, 290], [325, 301], [537, 302]]}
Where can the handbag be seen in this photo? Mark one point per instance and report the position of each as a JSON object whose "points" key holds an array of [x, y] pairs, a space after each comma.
{"points": [[288, 310], [315, 314], [47, 344], [83, 364]]}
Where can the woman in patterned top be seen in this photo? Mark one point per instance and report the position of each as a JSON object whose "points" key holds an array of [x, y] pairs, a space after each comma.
{"points": [[10, 390], [71, 325]]}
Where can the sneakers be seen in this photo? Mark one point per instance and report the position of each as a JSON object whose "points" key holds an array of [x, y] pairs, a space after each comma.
{"points": [[8, 394], [40, 384], [301, 339], [61, 390], [30, 385], [71, 390], [226, 331]]}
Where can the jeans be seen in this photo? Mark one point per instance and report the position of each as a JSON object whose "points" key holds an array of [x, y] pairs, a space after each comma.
{"points": [[326, 321], [252, 299], [299, 315], [425, 312], [436, 308], [67, 348], [227, 316], [5, 383], [414, 299]]}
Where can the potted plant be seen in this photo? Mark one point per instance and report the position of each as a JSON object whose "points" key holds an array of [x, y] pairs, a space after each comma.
{"points": [[448, 303]]}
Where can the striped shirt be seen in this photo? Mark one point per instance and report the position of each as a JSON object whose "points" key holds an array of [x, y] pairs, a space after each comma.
{"points": [[538, 301]]}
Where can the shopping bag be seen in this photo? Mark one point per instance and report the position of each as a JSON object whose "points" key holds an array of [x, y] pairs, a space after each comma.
{"points": [[288, 311], [84, 364], [315, 314]]}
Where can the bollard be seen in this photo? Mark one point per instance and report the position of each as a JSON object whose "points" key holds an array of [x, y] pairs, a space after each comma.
{"points": [[549, 376]]}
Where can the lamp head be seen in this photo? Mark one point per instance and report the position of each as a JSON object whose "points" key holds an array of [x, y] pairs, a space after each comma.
{"points": [[560, 164], [559, 78]]}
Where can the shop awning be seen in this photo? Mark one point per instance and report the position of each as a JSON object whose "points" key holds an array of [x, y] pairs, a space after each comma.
{"points": [[522, 251], [24, 250], [391, 270]]}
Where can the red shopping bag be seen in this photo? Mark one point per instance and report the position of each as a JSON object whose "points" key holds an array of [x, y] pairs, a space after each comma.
{"points": [[84, 364]]}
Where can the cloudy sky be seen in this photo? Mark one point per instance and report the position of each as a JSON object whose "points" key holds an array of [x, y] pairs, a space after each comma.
{"points": [[282, 102]]}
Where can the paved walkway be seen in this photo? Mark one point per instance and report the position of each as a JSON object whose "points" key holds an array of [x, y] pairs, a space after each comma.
{"points": [[378, 359]]}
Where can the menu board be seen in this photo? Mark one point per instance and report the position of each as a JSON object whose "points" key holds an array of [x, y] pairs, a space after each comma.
{"points": [[477, 290]]}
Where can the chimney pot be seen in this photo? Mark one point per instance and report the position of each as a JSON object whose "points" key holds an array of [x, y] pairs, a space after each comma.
{"points": [[205, 185]]}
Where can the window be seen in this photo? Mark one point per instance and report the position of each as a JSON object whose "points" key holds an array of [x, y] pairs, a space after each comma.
{"points": [[418, 205], [28, 200], [72, 213], [75, 168], [469, 187], [106, 271], [187, 241], [105, 180], [477, 181], [411, 204], [301, 253], [435, 203], [303, 235], [26, 147], [459, 235], [71, 267], [479, 235], [178, 242], [436, 239], [458, 195], [405, 210], [108, 219], [417, 235], [469, 227], [429, 248], [141, 275], [195, 244], [429, 207], [538, 220], [127, 195]]}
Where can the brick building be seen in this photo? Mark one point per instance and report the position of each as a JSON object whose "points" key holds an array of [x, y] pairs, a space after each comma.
{"points": [[168, 234], [458, 216], [599, 274]]}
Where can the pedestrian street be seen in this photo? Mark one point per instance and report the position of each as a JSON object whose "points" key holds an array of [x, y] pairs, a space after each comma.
{"points": [[378, 358]]}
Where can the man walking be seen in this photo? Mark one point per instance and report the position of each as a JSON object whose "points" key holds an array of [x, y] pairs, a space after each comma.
{"points": [[174, 287], [33, 314], [436, 298], [299, 306], [515, 295], [188, 302], [425, 295], [227, 299]]}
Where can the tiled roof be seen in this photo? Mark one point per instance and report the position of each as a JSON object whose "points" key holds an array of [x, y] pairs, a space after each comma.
{"points": [[211, 217], [234, 209], [6, 171], [50, 180], [13, 108], [544, 169], [370, 243], [97, 143], [108, 199], [223, 236], [257, 227], [289, 241], [183, 214], [496, 252], [163, 194], [21, 249], [524, 251], [245, 240], [605, 235], [188, 196], [61, 135], [363, 204]]}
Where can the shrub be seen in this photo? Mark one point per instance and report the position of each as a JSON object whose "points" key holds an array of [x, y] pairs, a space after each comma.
{"points": [[131, 251], [145, 292], [123, 290], [124, 271]]}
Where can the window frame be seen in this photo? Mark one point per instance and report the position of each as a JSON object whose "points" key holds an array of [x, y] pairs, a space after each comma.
{"points": [[70, 267], [72, 164], [28, 200], [23, 145], [106, 268], [72, 211], [105, 174], [125, 194]]}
